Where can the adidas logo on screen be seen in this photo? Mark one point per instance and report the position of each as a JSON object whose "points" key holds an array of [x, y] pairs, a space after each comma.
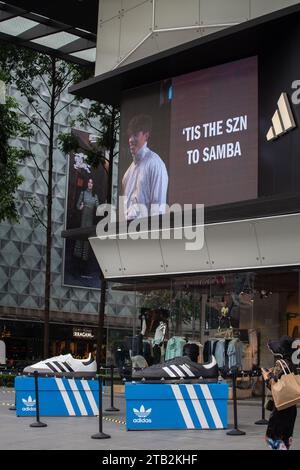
{"points": [[283, 119]]}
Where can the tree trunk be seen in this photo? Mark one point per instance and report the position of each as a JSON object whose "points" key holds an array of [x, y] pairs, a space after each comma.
{"points": [[100, 331], [111, 154], [49, 214]]}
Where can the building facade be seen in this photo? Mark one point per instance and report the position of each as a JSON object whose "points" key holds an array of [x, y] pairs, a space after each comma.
{"points": [[193, 305]]}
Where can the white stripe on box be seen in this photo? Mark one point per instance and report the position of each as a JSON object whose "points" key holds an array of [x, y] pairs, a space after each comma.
{"points": [[197, 406], [78, 398], [212, 407], [183, 408], [169, 372], [65, 396], [90, 397]]}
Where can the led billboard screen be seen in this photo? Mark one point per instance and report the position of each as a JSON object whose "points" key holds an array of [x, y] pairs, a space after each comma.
{"points": [[192, 139]]}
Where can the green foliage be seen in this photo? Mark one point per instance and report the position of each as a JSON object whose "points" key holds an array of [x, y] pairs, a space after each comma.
{"points": [[27, 69], [67, 142], [105, 121], [22, 66], [10, 127], [7, 380]]}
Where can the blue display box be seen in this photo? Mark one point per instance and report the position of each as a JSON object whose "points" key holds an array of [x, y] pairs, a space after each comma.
{"points": [[170, 406], [57, 396]]}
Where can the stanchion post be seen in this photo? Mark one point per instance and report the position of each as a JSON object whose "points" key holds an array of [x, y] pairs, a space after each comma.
{"points": [[112, 407], [37, 423], [13, 407], [263, 420], [100, 434], [235, 431]]}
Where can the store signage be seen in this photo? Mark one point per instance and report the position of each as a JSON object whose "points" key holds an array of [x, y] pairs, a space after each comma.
{"points": [[211, 281], [283, 120], [83, 333]]}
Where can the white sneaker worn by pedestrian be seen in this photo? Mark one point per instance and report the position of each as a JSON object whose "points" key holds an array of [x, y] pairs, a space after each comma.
{"points": [[64, 365]]}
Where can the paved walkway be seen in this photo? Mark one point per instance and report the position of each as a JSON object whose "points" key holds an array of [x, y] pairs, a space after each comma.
{"points": [[75, 432]]}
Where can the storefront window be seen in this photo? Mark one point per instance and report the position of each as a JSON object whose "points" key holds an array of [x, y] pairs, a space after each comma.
{"points": [[229, 315]]}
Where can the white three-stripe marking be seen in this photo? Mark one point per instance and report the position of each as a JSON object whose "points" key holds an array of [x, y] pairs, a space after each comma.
{"points": [[212, 407], [90, 397], [169, 372], [187, 370], [179, 372], [197, 406], [183, 408], [77, 396], [65, 396]]}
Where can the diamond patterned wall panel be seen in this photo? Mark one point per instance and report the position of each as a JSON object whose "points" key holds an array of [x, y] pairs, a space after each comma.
{"points": [[23, 245]]}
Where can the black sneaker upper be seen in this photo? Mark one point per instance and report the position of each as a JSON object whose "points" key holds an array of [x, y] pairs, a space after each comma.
{"points": [[178, 368]]}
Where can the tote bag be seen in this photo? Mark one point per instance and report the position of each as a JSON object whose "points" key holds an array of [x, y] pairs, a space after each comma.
{"points": [[286, 391]]}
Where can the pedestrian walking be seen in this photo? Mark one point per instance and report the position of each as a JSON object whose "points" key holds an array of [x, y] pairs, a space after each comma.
{"points": [[281, 423]]}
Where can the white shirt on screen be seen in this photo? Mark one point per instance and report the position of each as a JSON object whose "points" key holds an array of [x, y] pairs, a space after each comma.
{"points": [[145, 182]]}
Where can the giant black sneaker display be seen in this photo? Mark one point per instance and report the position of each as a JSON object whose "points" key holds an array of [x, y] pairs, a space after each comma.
{"points": [[179, 368]]}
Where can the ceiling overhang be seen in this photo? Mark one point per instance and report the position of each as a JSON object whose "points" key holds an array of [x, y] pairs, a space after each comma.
{"points": [[78, 13], [43, 34], [233, 43], [229, 246]]}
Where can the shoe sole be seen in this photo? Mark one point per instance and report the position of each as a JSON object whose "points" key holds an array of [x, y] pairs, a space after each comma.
{"points": [[174, 381], [63, 374]]}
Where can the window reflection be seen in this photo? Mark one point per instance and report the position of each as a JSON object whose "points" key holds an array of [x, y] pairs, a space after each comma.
{"points": [[229, 315]]}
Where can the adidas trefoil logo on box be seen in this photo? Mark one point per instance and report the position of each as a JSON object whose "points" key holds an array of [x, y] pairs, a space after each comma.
{"points": [[29, 404], [283, 119], [142, 414]]}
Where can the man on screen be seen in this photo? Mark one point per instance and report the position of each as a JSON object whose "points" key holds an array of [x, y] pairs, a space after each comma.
{"points": [[145, 182]]}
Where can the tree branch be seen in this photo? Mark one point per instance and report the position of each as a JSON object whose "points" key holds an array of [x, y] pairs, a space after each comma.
{"points": [[65, 76], [35, 92], [39, 169], [33, 122], [45, 83], [93, 127], [37, 215], [57, 112], [41, 116], [107, 108], [59, 89], [63, 88]]}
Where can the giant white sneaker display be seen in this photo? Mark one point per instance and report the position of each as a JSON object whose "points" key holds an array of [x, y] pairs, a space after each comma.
{"points": [[64, 365]]}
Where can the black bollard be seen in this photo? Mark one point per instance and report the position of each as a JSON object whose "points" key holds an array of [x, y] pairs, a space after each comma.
{"points": [[263, 420], [112, 408], [37, 423], [13, 407], [100, 434], [235, 431]]}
